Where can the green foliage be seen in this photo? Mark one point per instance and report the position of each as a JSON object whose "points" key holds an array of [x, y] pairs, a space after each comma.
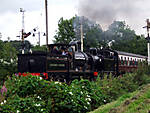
{"points": [[136, 102], [118, 30], [92, 32], [114, 87], [29, 104], [93, 37], [65, 33], [142, 76], [39, 48], [106, 108], [18, 45], [33, 94], [87, 95], [8, 60], [125, 38], [137, 45], [22, 94]]}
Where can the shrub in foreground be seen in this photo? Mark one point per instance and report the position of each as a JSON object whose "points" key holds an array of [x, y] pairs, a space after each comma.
{"points": [[33, 94]]}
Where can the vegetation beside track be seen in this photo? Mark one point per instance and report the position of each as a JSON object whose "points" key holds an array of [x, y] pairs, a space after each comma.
{"points": [[136, 102], [34, 94]]}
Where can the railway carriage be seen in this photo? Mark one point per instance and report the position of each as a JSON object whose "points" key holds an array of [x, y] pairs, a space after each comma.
{"points": [[129, 61]]}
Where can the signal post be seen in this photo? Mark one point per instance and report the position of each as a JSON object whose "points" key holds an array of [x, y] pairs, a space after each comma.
{"points": [[148, 39]]}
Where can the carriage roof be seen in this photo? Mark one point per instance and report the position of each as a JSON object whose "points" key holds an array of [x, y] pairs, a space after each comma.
{"points": [[131, 54]]}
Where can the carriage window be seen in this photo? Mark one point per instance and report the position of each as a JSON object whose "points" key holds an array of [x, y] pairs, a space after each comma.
{"points": [[121, 60], [125, 61], [130, 63], [133, 62]]}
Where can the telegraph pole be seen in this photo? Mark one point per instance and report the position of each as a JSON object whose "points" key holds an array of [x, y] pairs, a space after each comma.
{"points": [[81, 35], [39, 37], [46, 14], [148, 39], [0, 35]]}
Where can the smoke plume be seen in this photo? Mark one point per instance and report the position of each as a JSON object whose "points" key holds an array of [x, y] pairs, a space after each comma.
{"points": [[106, 11]]}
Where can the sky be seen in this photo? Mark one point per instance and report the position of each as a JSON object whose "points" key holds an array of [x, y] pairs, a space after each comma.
{"points": [[133, 12], [104, 12], [34, 17]]}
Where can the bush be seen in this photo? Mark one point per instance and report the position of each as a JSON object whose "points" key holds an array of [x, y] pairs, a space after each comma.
{"points": [[22, 95], [142, 75], [33, 94], [114, 87]]}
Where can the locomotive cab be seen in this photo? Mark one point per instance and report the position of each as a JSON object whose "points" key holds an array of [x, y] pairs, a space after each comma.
{"points": [[109, 61], [97, 60]]}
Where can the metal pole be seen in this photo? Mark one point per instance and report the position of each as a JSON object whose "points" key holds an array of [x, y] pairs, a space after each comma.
{"points": [[22, 41], [23, 19], [148, 39], [22, 32], [46, 14], [39, 38], [148, 46], [0, 36], [81, 35]]}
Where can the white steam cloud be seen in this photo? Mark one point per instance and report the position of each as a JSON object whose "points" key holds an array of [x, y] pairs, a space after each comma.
{"points": [[106, 11]]}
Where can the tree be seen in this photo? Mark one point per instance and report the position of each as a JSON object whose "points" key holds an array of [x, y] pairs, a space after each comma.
{"points": [[92, 32], [8, 59], [39, 48], [137, 45], [118, 30], [18, 45], [93, 37], [9, 53], [65, 33]]}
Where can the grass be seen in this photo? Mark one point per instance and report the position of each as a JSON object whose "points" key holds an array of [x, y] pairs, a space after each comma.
{"points": [[106, 108], [136, 102]]}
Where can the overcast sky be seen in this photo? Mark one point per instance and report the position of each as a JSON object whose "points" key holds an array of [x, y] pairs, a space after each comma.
{"points": [[134, 12], [11, 17]]}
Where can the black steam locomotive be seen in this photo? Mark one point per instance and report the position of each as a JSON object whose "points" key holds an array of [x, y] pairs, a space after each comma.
{"points": [[66, 62]]}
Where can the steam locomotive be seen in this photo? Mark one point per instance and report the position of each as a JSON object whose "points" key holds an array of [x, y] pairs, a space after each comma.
{"points": [[65, 62]]}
